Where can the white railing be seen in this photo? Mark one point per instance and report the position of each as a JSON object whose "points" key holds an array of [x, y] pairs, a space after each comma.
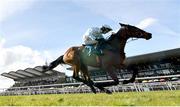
{"points": [[81, 88]]}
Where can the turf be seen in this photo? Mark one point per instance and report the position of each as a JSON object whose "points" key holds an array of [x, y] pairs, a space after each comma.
{"points": [[153, 98]]}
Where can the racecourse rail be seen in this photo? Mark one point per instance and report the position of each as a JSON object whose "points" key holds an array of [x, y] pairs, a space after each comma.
{"points": [[81, 88]]}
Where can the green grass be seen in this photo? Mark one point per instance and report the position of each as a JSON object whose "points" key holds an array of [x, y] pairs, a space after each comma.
{"points": [[156, 98]]}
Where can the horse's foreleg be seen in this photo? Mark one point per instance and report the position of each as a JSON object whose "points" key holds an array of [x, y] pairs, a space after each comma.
{"points": [[113, 76], [132, 79]]}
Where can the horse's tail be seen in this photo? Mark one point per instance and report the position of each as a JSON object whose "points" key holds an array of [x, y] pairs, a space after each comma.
{"points": [[61, 61], [56, 62]]}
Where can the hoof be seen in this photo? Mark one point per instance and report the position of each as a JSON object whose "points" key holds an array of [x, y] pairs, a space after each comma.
{"points": [[108, 92], [45, 68], [105, 90], [93, 89]]}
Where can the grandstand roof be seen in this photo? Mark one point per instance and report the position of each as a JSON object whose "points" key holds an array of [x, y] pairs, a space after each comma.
{"points": [[153, 57], [29, 73]]}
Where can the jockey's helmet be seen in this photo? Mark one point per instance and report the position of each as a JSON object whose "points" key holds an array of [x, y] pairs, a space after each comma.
{"points": [[106, 28]]}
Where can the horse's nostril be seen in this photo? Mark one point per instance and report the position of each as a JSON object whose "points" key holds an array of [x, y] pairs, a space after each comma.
{"points": [[149, 36]]}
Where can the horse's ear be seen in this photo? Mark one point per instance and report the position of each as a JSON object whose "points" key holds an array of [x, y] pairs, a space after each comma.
{"points": [[122, 24]]}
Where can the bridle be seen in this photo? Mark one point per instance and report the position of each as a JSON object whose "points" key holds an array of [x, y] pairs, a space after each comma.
{"points": [[133, 39]]}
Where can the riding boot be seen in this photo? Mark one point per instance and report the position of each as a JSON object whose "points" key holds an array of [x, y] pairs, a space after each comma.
{"points": [[99, 47]]}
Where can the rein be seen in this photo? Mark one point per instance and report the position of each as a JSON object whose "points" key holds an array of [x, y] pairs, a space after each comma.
{"points": [[132, 40]]}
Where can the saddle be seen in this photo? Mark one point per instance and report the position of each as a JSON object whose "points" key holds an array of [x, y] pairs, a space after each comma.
{"points": [[91, 50]]}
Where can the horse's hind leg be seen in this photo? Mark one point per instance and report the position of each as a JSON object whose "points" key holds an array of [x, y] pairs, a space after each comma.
{"points": [[76, 76], [132, 79], [87, 77], [85, 72]]}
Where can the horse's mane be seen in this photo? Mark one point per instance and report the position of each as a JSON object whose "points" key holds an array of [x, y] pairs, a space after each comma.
{"points": [[113, 36]]}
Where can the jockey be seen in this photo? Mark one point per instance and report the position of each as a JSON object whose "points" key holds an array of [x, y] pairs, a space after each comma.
{"points": [[94, 36]]}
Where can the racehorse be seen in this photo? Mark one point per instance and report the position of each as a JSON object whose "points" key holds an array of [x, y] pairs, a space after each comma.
{"points": [[113, 58]]}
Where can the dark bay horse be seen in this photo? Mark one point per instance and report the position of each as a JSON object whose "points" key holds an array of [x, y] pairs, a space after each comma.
{"points": [[113, 58]]}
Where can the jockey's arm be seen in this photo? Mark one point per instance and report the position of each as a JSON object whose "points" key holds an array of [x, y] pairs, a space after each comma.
{"points": [[88, 40]]}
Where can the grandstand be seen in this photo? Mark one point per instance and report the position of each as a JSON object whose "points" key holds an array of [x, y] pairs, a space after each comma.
{"points": [[35, 76], [157, 71], [158, 65]]}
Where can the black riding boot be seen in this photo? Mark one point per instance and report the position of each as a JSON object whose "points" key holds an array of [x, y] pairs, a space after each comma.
{"points": [[99, 46]]}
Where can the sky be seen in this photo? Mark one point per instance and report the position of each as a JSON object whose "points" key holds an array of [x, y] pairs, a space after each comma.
{"points": [[35, 31]]}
